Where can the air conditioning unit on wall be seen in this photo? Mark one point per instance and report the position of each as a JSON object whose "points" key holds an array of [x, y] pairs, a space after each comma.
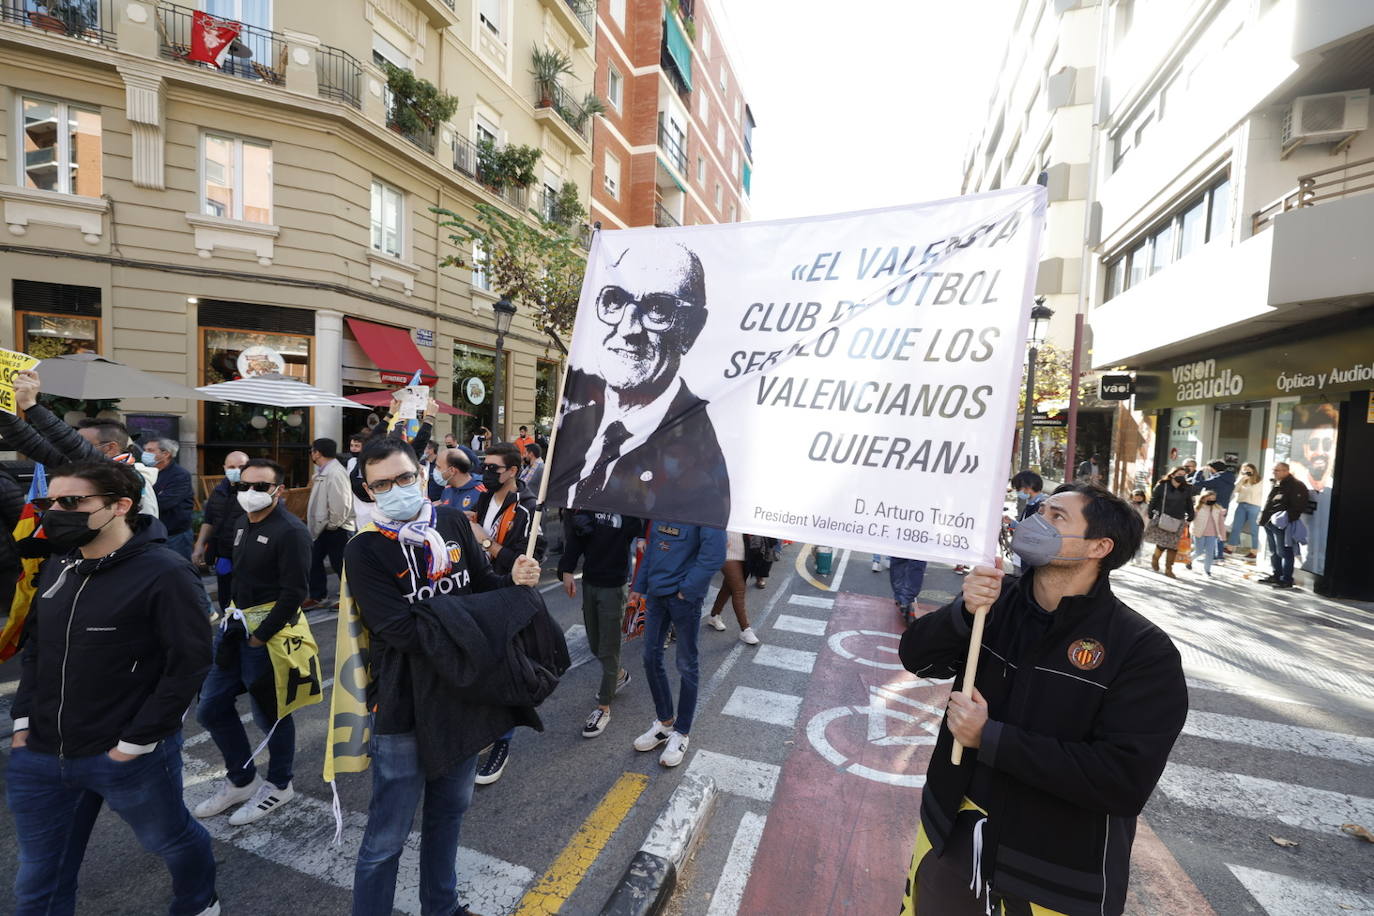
{"points": [[1332, 117]]}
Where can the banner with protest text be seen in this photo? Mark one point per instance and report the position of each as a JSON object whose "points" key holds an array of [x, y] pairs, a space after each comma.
{"points": [[848, 380]]}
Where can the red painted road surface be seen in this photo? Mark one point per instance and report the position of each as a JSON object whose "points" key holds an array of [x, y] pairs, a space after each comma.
{"points": [[843, 820]]}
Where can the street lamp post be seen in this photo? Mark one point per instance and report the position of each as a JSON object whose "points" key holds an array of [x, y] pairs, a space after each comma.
{"points": [[1039, 315], [504, 311]]}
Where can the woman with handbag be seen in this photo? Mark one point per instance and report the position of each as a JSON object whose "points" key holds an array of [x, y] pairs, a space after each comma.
{"points": [[760, 553], [732, 589], [1171, 507]]}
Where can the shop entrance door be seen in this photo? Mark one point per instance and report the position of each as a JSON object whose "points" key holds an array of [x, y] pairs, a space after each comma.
{"points": [[1240, 434]]}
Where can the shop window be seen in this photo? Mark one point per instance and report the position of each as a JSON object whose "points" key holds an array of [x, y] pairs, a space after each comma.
{"points": [[237, 179], [387, 218], [54, 319], [474, 374], [62, 147]]}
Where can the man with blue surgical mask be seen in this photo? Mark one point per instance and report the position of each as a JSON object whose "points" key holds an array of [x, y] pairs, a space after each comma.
{"points": [[215, 540], [413, 551], [1075, 707]]}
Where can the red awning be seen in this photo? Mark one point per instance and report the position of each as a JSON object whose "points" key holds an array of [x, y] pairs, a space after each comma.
{"points": [[393, 351], [383, 399]]}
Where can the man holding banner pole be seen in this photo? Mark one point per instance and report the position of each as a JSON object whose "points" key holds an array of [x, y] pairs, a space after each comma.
{"points": [[1067, 726]]}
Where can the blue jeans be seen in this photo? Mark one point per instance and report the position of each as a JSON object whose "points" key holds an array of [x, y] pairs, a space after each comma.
{"points": [[907, 577], [218, 714], [1280, 556], [398, 781], [685, 617], [1208, 544], [48, 795], [1247, 516], [328, 546]]}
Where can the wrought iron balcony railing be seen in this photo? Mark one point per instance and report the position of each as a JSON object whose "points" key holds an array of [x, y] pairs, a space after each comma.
{"points": [[83, 20]]}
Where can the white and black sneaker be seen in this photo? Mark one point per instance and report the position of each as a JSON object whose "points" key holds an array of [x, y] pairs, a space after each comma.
{"points": [[495, 764], [656, 735], [212, 909], [596, 722], [267, 799], [227, 797], [622, 680], [677, 749]]}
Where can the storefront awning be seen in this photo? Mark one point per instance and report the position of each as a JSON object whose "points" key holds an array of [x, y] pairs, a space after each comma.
{"points": [[393, 351], [679, 48]]}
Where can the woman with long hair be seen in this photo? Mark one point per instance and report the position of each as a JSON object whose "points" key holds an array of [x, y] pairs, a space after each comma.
{"points": [[1171, 507], [1249, 500]]}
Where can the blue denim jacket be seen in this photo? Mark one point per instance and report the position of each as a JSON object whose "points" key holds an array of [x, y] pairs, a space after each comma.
{"points": [[680, 558]]}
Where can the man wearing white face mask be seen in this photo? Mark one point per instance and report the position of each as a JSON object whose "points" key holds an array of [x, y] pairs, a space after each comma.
{"points": [[271, 566], [1076, 705]]}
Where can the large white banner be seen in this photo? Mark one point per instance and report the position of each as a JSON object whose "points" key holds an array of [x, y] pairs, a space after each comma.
{"points": [[846, 380]]}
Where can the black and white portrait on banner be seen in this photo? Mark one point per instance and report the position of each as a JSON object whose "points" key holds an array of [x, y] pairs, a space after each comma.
{"points": [[848, 380]]}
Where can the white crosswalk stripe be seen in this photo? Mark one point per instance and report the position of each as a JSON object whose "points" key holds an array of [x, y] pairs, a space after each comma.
{"points": [[1278, 736], [763, 706], [804, 625], [1281, 895], [786, 659], [1239, 795], [737, 776]]}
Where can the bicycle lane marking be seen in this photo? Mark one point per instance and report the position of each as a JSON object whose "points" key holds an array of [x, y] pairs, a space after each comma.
{"points": [[843, 819]]}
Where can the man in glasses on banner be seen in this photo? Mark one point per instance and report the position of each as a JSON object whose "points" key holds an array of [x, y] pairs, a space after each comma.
{"points": [[271, 562], [640, 442]]}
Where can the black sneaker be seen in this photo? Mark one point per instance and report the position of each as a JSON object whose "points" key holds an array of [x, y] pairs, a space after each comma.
{"points": [[1267, 580], [622, 680], [596, 722], [1284, 585], [492, 767]]}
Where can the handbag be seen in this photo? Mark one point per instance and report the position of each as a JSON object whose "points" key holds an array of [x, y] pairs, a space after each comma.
{"points": [[1168, 523], [632, 623]]}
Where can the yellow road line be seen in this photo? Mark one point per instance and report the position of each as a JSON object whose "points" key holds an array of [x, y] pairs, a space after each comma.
{"points": [[556, 885]]}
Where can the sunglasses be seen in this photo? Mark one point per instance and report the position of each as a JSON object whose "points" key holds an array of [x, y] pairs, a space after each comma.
{"points": [[400, 480], [262, 486], [44, 503]]}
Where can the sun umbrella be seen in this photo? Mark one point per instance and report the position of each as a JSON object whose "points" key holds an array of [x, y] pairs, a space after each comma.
{"points": [[383, 399], [276, 390], [90, 376]]}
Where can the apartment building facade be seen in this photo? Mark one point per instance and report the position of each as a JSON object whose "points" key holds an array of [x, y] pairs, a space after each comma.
{"points": [[674, 146], [182, 217]]}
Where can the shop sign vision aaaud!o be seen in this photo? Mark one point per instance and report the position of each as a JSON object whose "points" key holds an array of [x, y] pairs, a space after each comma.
{"points": [[1308, 368]]}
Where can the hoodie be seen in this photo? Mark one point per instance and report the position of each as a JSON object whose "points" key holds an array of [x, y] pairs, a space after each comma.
{"points": [[117, 648]]}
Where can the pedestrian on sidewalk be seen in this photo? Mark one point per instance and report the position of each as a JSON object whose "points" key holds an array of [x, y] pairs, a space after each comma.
{"points": [[415, 548], [1141, 504], [601, 542], [906, 578], [329, 516], [1209, 527], [112, 610], [1171, 508], [1248, 497], [1030, 486], [759, 555], [1285, 506], [1076, 705], [732, 589], [679, 562], [215, 541], [502, 523], [272, 552]]}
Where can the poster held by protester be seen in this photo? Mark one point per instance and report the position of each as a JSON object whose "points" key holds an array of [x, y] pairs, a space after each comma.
{"points": [[848, 380], [11, 364]]}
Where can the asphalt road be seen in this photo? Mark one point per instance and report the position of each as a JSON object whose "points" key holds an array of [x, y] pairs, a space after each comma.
{"points": [[817, 743]]}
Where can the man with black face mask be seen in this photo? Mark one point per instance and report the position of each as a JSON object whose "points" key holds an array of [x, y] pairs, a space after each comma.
{"points": [[1075, 708]]}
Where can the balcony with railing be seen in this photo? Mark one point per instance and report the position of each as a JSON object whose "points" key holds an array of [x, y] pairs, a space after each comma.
{"points": [[565, 115], [673, 146], [662, 218], [578, 18], [340, 76], [83, 20], [1315, 187], [467, 161]]}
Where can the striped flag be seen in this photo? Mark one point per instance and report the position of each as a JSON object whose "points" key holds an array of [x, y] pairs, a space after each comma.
{"points": [[28, 570]]}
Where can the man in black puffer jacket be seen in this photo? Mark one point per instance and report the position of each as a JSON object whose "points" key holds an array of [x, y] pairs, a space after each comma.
{"points": [[1077, 703]]}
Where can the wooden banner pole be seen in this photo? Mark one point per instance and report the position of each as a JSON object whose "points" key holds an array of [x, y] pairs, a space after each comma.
{"points": [[536, 524], [975, 645]]}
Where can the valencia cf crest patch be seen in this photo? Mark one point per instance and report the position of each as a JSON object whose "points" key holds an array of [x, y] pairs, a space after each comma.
{"points": [[1086, 654]]}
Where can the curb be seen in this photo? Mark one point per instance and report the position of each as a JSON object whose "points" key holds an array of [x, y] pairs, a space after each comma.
{"points": [[651, 877]]}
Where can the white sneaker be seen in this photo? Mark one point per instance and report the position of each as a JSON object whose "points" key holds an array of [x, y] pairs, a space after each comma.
{"points": [[747, 636], [677, 749], [212, 909], [877, 565], [267, 799], [656, 735], [596, 722], [714, 622], [227, 796]]}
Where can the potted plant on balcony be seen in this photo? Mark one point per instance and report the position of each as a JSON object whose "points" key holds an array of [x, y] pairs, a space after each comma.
{"points": [[591, 105], [69, 17], [500, 167], [417, 105], [550, 66]]}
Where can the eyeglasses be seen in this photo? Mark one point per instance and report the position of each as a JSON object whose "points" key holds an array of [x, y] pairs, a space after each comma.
{"points": [[44, 503], [262, 486], [400, 480], [656, 311]]}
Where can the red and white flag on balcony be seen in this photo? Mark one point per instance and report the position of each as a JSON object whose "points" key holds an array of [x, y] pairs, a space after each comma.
{"points": [[211, 38]]}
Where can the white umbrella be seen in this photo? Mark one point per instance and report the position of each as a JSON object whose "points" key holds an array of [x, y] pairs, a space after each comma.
{"points": [[277, 390]]}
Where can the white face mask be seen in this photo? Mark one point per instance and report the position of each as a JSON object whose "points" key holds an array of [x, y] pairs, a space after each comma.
{"points": [[253, 501]]}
